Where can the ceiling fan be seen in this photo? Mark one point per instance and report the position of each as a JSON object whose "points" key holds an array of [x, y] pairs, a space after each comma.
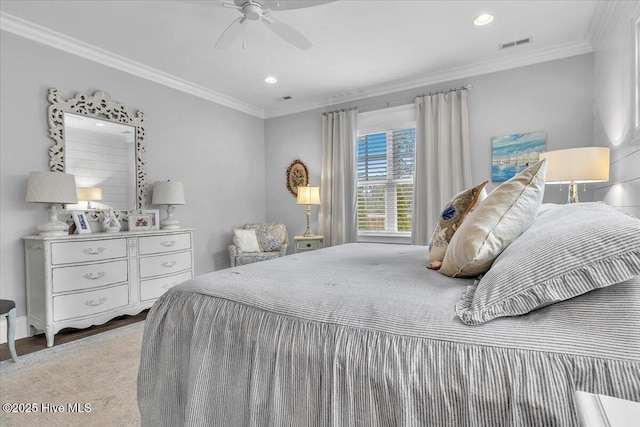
{"points": [[260, 10]]}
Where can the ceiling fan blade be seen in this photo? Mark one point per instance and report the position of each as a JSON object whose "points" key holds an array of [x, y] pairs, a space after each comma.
{"points": [[229, 35], [287, 32], [292, 4], [229, 3]]}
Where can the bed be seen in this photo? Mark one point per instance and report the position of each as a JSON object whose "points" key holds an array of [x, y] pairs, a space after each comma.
{"points": [[365, 335]]}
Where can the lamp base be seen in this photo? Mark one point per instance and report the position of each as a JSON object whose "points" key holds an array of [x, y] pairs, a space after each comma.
{"points": [[172, 226], [573, 193], [54, 227], [307, 232], [170, 223]]}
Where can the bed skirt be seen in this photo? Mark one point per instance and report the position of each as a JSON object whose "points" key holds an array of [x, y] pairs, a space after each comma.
{"points": [[228, 364]]}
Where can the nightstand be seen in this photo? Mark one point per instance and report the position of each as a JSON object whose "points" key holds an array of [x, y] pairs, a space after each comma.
{"points": [[306, 244]]}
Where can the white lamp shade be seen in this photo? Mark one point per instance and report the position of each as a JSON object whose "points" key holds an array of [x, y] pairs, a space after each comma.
{"points": [[51, 187], [579, 165], [168, 193], [89, 193], [308, 196]]}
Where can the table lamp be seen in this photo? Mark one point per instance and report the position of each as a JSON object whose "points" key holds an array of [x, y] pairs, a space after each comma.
{"points": [[168, 193], [88, 194], [55, 188], [575, 166], [308, 196]]}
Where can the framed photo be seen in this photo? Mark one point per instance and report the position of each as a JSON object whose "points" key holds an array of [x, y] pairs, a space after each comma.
{"points": [[81, 222], [511, 154], [297, 176], [154, 214], [138, 222]]}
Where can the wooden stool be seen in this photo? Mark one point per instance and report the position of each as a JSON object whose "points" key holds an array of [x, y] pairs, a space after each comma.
{"points": [[8, 308]]}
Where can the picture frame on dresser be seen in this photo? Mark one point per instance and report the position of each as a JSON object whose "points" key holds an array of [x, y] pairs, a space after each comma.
{"points": [[140, 222], [154, 215], [81, 222]]}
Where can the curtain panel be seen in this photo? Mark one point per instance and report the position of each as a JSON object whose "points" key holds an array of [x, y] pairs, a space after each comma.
{"points": [[337, 216], [443, 159]]}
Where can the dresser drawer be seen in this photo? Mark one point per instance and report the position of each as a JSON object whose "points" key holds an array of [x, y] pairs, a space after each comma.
{"points": [[168, 243], [154, 288], [88, 250], [88, 276], [164, 264], [88, 303], [308, 245]]}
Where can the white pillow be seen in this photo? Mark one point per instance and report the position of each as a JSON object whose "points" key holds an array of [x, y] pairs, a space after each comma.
{"points": [[496, 222], [247, 240]]}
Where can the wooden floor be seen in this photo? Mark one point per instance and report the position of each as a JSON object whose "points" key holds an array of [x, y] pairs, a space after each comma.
{"points": [[39, 342]]}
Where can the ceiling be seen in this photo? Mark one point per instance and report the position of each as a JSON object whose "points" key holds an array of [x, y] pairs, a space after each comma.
{"points": [[360, 48]]}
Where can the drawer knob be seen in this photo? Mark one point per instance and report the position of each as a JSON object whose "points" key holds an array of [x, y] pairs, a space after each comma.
{"points": [[91, 276], [92, 303], [96, 251], [167, 244], [169, 264], [169, 285]]}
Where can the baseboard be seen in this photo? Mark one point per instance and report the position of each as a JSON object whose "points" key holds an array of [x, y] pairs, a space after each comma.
{"points": [[21, 328]]}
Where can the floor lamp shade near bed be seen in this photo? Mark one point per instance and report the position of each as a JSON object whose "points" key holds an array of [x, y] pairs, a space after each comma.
{"points": [[168, 193], [576, 166], [54, 188], [308, 196]]}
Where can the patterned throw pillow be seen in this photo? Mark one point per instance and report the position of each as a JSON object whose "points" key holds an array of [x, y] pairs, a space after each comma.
{"points": [[450, 219], [271, 236], [504, 215]]}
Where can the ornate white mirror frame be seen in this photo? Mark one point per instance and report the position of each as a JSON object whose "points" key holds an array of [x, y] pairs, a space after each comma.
{"points": [[99, 106]]}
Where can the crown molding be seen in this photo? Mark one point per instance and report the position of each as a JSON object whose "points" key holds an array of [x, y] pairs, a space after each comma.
{"points": [[600, 21], [74, 46], [485, 67], [46, 36]]}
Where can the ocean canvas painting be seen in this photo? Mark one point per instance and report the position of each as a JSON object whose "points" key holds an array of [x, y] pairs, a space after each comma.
{"points": [[511, 154]]}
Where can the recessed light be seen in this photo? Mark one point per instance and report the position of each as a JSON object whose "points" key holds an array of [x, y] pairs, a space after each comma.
{"points": [[100, 124], [483, 19], [270, 80]]}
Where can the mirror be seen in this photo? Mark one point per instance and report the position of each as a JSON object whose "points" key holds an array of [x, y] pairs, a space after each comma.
{"points": [[101, 155], [100, 142]]}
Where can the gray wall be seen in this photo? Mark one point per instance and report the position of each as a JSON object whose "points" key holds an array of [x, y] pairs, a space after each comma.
{"points": [[218, 153], [613, 109], [554, 96]]}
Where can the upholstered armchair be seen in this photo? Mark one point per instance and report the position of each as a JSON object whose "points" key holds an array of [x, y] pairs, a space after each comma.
{"points": [[272, 240]]}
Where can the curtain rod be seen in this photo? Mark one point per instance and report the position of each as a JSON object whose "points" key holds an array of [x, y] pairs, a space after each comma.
{"points": [[454, 89], [398, 102], [340, 110]]}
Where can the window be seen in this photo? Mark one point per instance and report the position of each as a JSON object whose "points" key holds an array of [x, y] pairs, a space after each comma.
{"points": [[385, 165]]}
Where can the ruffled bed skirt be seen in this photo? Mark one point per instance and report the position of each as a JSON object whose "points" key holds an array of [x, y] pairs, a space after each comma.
{"points": [[213, 362]]}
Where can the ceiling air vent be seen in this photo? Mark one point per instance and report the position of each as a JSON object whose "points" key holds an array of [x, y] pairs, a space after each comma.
{"points": [[515, 43], [283, 98]]}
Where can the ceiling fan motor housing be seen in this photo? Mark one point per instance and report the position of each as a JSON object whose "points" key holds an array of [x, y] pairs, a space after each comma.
{"points": [[252, 9]]}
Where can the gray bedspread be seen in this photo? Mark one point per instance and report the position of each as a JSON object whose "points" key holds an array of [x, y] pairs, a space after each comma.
{"points": [[365, 335]]}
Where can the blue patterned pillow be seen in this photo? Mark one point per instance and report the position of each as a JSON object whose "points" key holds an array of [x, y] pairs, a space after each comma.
{"points": [[449, 221]]}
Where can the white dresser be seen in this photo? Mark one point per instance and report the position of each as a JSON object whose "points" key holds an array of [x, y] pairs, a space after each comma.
{"points": [[83, 280]]}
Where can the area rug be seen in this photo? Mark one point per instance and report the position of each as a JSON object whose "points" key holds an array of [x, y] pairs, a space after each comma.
{"points": [[89, 382]]}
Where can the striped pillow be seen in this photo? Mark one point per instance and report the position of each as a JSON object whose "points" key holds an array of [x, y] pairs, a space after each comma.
{"points": [[568, 251]]}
